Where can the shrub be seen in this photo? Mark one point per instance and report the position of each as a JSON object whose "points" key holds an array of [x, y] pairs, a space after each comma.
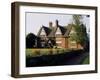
{"points": [[37, 53], [54, 51], [28, 53], [44, 52], [61, 51], [32, 52]]}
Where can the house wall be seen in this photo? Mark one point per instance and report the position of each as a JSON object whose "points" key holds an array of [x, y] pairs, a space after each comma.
{"points": [[71, 44], [79, 46], [62, 42], [74, 45], [59, 41]]}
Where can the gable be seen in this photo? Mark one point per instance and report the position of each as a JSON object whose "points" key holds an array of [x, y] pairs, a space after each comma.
{"points": [[42, 32], [58, 31]]}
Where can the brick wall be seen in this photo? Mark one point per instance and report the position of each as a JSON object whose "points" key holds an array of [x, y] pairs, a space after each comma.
{"points": [[62, 42]]}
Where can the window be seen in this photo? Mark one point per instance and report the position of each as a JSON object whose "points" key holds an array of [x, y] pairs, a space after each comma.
{"points": [[58, 42], [73, 44]]}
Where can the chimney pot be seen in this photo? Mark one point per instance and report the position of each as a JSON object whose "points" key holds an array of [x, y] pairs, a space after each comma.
{"points": [[57, 23]]}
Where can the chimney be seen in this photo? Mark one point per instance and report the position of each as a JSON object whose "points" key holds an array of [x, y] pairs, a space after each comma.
{"points": [[57, 23], [50, 24]]}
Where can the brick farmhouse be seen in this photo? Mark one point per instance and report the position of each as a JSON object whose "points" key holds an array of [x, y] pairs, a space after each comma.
{"points": [[58, 36]]}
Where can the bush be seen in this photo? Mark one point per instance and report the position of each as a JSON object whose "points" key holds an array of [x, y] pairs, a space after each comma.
{"points": [[54, 51], [28, 53], [37, 52], [32, 53], [61, 51], [45, 51]]}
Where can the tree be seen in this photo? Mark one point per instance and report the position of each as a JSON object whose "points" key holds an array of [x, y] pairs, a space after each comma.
{"points": [[81, 35], [30, 40], [77, 19]]}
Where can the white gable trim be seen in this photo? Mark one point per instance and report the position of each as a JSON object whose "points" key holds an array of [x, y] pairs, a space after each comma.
{"points": [[58, 31], [42, 32]]}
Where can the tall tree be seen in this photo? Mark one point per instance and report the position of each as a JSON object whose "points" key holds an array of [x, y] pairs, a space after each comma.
{"points": [[80, 29]]}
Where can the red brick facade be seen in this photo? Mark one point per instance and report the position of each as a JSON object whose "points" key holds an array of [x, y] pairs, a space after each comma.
{"points": [[61, 35], [66, 43]]}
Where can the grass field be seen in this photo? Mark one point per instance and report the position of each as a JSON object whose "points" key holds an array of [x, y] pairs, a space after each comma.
{"points": [[86, 61], [46, 51]]}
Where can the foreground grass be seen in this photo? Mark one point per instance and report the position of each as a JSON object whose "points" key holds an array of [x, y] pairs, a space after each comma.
{"points": [[46, 51], [86, 61]]}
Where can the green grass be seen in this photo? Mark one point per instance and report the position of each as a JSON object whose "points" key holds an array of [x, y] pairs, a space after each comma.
{"points": [[86, 61]]}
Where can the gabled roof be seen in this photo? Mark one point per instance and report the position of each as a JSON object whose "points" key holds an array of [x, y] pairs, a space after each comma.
{"points": [[54, 29], [51, 31], [63, 29], [69, 27], [46, 29]]}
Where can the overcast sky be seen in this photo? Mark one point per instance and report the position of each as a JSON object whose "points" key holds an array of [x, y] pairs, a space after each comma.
{"points": [[35, 20]]}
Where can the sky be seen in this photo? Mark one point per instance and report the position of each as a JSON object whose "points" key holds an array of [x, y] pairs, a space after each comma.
{"points": [[35, 20]]}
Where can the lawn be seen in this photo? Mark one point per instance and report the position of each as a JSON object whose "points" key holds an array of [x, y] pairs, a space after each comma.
{"points": [[86, 60]]}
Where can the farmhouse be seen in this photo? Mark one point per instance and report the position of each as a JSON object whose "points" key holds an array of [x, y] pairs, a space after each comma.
{"points": [[58, 36]]}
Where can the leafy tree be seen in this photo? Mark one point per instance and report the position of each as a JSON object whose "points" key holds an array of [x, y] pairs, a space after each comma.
{"points": [[81, 35], [77, 19], [30, 40]]}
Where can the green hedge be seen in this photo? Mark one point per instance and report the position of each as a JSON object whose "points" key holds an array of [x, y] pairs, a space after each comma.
{"points": [[39, 52]]}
